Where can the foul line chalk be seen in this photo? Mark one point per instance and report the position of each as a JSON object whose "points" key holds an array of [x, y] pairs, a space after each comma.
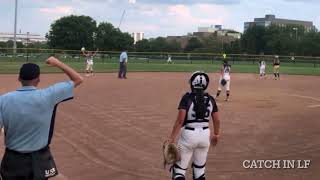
{"points": [[306, 97], [314, 106]]}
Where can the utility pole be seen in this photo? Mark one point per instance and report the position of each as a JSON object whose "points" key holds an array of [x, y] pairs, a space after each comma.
{"points": [[15, 28], [296, 44], [124, 12], [28, 46], [296, 29]]}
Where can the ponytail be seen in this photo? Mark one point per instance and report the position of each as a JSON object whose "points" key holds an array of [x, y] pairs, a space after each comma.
{"points": [[199, 104]]}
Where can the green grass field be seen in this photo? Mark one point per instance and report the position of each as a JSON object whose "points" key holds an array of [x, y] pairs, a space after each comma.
{"points": [[9, 66]]}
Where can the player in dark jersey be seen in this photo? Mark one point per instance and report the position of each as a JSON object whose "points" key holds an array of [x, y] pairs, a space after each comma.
{"points": [[276, 67], [196, 108]]}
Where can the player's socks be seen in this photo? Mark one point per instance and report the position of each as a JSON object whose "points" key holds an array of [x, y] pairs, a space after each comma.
{"points": [[228, 94], [218, 94]]}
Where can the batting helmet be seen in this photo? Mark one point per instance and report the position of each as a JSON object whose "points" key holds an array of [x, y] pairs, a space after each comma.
{"points": [[199, 80]]}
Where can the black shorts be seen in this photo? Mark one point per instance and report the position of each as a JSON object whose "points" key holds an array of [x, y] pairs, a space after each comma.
{"points": [[37, 165]]}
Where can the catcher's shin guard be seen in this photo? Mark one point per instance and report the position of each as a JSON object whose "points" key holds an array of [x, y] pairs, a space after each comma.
{"points": [[178, 173], [198, 172]]}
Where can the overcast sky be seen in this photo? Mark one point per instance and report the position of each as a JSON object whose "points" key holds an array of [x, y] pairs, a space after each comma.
{"points": [[155, 17]]}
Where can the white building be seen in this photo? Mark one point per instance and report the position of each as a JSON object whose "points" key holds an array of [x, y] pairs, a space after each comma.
{"points": [[137, 36], [24, 38], [211, 29], [229, 32]]}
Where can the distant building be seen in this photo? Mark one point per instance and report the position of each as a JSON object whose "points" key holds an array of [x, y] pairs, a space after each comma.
{"points": [[210, 29], [270, 19], [137, 36], [204, 32], [24, 38], [230, 33]]}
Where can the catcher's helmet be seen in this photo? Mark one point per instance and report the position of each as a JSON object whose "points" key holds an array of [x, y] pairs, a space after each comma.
{"points": [[199, 80]]}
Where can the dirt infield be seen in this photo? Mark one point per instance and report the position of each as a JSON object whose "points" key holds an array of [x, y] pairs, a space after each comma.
{"points": [[114, 129]]}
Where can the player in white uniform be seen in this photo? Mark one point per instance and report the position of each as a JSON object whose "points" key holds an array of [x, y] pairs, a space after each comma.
{"points": [[169, 61], [225, 74], [195, 110], [89, 61], [262, 66]]}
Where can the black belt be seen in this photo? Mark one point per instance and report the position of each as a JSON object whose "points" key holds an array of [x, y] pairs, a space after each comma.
{"points": [[28, 153], [192, 129]]}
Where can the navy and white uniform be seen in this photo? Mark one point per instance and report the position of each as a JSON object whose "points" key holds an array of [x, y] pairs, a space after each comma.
{"points": [[194, 140]]}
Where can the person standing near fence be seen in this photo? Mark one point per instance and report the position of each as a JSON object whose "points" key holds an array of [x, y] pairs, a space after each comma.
{"points": [[169, 61], [28, 117], [276, 67], [123, 60], [262, 68]]}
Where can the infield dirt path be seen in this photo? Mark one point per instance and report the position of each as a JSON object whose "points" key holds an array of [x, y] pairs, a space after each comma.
{"points": [[114, 129]]}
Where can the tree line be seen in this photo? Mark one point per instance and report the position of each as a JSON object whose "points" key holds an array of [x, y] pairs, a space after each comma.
{"points": [[73, 32]]}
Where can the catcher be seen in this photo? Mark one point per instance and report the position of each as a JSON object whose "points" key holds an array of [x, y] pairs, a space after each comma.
{"points": [[195, 110], [225, 79]]}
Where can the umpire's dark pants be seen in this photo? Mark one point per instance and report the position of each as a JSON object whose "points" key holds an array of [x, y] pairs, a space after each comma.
{"points": [[26, 166], [122, 70]]}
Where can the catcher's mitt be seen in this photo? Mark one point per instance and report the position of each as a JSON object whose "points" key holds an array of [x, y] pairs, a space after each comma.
{"points": [[223, 82], [170, 154]]}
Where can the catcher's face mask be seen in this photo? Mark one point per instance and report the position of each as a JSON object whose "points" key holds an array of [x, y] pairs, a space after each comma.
{"points": [[199, 80]]}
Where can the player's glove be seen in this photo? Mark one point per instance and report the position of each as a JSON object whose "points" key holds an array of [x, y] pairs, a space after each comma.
{"points": [[170, 154], [223, 82]]}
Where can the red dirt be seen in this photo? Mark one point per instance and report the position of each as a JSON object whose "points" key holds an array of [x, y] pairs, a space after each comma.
{"points": [[115, 128]]}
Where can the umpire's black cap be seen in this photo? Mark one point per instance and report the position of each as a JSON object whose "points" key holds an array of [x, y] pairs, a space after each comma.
{"points": [[29, 71]]}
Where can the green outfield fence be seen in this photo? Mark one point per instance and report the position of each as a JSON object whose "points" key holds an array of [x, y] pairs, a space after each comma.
{"points": [[38, 55]]}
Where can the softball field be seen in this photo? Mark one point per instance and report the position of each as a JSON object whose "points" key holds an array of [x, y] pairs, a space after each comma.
{"points": [[115, 128]]}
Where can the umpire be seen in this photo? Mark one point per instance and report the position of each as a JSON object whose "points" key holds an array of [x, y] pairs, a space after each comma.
{"points": [[123, 60], [28, 117]]}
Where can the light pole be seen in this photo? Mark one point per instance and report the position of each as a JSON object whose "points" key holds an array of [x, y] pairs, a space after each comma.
{"points": [[28, 46], [296, 29], [15, 28]]}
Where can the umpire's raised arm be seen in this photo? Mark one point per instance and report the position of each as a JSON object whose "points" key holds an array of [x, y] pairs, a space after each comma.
{"points": [[73, 75]]}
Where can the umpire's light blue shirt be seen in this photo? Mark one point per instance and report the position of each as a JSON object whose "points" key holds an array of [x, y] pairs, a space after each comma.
{"points": [[28, 115], [123, 57]]}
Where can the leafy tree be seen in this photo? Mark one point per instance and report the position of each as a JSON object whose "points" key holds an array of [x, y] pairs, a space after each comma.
{"points": [[142, 46], [193, 43], [174, 46], [72, 32], [159, 45], [110, 38]]}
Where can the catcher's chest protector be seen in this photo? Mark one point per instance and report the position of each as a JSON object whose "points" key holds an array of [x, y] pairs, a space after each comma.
{"points": [[191, 117]]}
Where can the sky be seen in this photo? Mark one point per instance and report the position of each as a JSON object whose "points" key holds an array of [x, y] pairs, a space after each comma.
{"points": [[155, 17]]}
